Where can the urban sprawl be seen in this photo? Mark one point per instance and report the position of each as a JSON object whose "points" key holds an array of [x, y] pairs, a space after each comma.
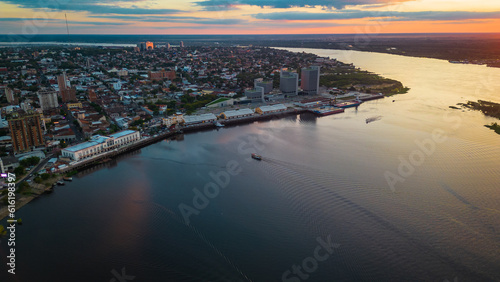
{"points": [[64, 105]]}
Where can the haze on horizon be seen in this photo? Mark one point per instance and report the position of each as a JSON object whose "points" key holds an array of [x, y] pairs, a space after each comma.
{"points": [[249, 16]]}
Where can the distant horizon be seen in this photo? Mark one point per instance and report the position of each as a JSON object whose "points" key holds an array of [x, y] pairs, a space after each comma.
{"points": [[249, 17], [251, 34]]}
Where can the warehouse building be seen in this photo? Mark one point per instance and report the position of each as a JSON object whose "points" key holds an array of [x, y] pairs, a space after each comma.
{"points": [[199, 119], [270, 109], [237, 114]]}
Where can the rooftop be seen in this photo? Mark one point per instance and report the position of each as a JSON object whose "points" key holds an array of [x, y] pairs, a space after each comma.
{"points": [[122, 133]]}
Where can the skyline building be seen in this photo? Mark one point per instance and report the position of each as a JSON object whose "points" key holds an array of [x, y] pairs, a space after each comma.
{"points": [[266, 84], [48, 99], [66, 92], [144, 46], [289, 83], [26, 131], [310, 80], [255, 94]]}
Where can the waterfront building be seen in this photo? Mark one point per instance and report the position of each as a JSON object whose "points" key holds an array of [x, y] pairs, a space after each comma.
{"points": [[314, 102], [310, 80], [48, 99], [182, 44], [178, 118], [26, 131], [199, 119], [271, 109], [289, 83], [237, 114], [221, 102], [100, 144], [256, 94], [266, 84]]}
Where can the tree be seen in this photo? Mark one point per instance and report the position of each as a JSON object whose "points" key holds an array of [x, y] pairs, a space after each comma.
{"points": [[20, 170], [29, 161]]}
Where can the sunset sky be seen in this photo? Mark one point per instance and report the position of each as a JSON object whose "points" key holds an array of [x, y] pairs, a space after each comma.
{"points": [[248, 16]]}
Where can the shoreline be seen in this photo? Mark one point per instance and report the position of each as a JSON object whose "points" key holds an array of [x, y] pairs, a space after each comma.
{"points": [[450, 61], [37, 190]]}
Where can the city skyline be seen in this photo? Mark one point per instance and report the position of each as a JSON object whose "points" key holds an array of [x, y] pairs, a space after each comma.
{"points": [[249, 17]]}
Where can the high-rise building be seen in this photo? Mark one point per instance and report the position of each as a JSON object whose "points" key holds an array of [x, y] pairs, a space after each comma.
{"points": [[310, 80], [62, 82], [182, 44], [48, 99], [92, 95], [168, 46], [289, 83], [69, 95], [26, 131], [66, 92], [266, 84], [144, 46]]}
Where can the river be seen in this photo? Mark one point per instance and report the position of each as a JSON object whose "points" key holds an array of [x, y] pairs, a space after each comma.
{"points": [[412, 196]]}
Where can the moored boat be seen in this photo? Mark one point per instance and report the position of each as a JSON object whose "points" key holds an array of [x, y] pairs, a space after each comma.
{"points": [[60, 182], [68, 179], [326, 110]]}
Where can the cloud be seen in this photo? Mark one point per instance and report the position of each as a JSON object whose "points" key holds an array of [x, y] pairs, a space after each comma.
{"points": [[62, 21], [91, 6], [25, 19], [164, 19], [284, 4], [386, 15]]}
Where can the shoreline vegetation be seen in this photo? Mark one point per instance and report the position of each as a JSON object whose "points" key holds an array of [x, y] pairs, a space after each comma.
{"points": [[27, 192], [489, 109], [361, 80]]}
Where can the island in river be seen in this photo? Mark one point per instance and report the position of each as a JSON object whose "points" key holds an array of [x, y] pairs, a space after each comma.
{"points": [[488, 108]]}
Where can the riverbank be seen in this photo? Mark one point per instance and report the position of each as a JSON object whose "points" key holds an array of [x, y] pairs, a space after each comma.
{"points": [[29, 193]]}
